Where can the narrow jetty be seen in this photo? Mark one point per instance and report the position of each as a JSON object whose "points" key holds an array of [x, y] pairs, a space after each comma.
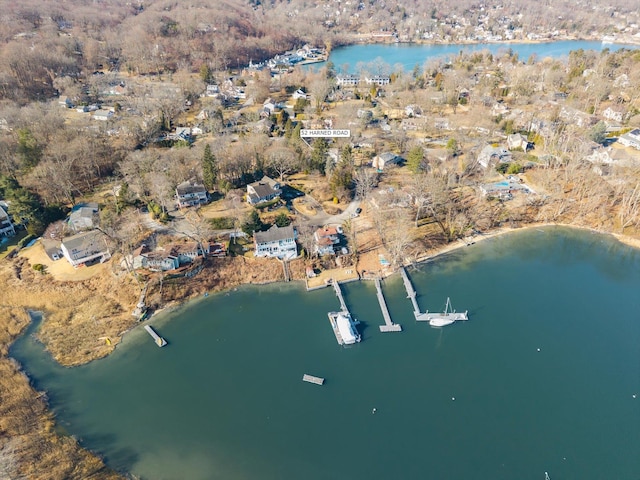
{"points": [[389, 326], [312, 379], [336, 287], [411, 293], [161, 342]]}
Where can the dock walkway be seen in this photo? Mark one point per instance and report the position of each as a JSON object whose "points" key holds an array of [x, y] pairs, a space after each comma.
{"points": [[161, 342], [389, 326], [411, 293], [336, 287]]}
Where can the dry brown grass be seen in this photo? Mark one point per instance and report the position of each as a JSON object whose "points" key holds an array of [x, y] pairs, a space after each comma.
{"points": [[29, 446], [80, 314]]}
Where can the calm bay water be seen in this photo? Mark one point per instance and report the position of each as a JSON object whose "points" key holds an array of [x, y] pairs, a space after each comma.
{"points": [[408, 55], [225, 400]]}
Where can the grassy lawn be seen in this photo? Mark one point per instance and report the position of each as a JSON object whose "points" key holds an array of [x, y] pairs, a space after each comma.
{"points": [[9, 244]]}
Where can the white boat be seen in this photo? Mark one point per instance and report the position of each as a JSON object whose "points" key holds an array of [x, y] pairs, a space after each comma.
{"points": [[447, 317]]}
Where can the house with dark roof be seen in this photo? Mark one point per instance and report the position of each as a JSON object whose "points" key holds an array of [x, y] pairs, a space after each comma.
{"points": [[279, 242], [190, 194], [84, 247], [262, 191]]}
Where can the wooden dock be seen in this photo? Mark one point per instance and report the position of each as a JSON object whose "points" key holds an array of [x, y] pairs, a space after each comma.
{"points": [[411, 293], [336, 287], [161, 342], [389, 326], [312, 379]]}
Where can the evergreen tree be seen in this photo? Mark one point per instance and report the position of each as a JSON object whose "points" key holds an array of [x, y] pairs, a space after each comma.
{"points": [[415, 159], [209, 168], [319, 154]]}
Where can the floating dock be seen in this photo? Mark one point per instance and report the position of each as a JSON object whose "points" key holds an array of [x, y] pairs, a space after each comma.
{"points": [[349, 333], [442, 319], [411, 293], [312, 379], [161, 342], [388, 326]]}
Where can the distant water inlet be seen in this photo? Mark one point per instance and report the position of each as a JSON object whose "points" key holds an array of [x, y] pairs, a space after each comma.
{"points": [[384, 58], [544, 378]]}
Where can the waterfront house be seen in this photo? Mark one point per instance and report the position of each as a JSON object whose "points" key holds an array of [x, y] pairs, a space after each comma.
{"points": [[324, 240], [191, 194], [84, 216], [262, 191], [85, 247], [278, 242], [379, 80], [347, 80], [6, 226]]}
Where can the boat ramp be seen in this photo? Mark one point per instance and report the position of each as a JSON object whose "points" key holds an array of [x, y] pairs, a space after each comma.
{"points": [[161, 342], [388, 326], [312, 379]]}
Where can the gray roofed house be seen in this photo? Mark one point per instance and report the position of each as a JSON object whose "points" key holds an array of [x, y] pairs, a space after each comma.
{"points": [[279, 242], [84, 247], [84, 216], [490, 154], [190, 194], [263, 191], [386, 158]]}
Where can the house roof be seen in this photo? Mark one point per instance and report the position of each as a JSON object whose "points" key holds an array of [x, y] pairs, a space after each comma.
{"points": [[326, 231], [185, 188], [274, 234], [93, 240], [264, 187]]}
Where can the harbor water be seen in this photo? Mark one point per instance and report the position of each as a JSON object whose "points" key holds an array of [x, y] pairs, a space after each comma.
{"points": [[540, 379], [370, 57]]}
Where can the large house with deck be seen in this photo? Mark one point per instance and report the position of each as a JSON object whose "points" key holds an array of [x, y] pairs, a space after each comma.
{"points": [[190, 194], [85, 247], [6, 226], [278, 242]]}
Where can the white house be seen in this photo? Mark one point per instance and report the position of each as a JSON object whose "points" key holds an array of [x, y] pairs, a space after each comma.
{"points": [[385, 159], [102, 115], [190, 194], [631, 139], [347, 80], [6, 227], [379, 80], [325, 238], [85, 247], [614, 114], [517, 140], [263, 191], [276, 242], [299, 94]]}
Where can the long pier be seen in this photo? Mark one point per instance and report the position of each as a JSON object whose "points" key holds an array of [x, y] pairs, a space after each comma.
{"points": [[336, 287], [161, 342], [388, 326], [411, 293]]}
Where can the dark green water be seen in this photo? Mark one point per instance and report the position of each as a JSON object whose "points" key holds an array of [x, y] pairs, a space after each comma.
{"points": [[225, 400]]}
